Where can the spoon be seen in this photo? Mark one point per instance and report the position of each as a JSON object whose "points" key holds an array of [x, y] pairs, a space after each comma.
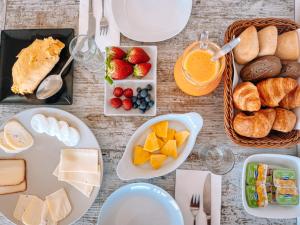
{"points": [[226, 48]]}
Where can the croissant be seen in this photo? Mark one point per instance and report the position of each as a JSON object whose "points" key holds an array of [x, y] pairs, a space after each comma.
{"points": [[273, 90], [291, 100], [285, 120], [246, 97], [257, 125]]}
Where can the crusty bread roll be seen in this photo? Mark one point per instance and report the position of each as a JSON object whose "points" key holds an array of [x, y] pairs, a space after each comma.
{"points": [[248, 48], [288, 46], [246, 97], [267, 38], [285, 120]]}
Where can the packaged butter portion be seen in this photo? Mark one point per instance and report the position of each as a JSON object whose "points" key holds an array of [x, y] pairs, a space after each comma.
{"points": [[256, 173], [285, 178], [287, 196], [256, 196]]}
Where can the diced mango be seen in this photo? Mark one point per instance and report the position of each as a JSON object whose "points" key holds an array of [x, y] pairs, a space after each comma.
{"points": [[157, 160], [170, 149], [140, 156], [161, 129], [151, 143], [170, 135], [181, 137], [160, 142]]}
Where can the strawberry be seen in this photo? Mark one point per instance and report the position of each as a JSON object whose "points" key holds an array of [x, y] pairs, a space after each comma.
{"points": [[127, 104], [115, 53], [118, 69], [128, 92], [137, 55], [118, 92], [116, 102], [141, 70]]}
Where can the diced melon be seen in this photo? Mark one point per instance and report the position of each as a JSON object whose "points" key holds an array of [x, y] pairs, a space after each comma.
{"points": [[170, 149], [170, 135], [181, 137], [140, 156], [157, 160], [160, 142], [161, 129], [151, 143]]}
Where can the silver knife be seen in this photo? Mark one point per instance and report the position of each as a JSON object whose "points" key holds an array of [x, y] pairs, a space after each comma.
{"points": [[92, 21], [207, 198]]}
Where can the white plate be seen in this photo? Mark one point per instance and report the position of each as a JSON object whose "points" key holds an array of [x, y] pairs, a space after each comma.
{"points": [[133, 82], [151, 20], [41, 160], [273, 211], [140, 204], [190, 121]]}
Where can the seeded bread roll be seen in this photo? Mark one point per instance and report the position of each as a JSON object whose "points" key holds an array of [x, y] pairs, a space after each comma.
{"points": [[267, 38]]}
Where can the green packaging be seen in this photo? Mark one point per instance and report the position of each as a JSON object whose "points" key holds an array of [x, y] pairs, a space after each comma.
{"points": [[287, 196], [285, 178]]}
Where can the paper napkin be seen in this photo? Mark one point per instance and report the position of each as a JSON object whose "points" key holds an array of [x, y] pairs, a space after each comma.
{"points": [[113, 35], [189, 182]]}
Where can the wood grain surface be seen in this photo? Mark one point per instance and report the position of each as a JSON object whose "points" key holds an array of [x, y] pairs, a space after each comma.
{"points": [[113, 132]]}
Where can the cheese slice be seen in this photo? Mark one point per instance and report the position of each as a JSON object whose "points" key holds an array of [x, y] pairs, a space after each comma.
{"points": [[79, 160], [21, 206], [12, 171], [33, 212], [58, 204], [46, 218], [13, 188], [3, 144]]}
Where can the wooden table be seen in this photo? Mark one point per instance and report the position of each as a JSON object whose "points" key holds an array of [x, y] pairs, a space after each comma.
{"points": [[113, 132]]}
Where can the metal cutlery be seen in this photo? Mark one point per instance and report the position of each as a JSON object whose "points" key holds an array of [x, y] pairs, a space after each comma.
{"points": [[92, 21], [195, 206], [207, 198], [103, 22]]}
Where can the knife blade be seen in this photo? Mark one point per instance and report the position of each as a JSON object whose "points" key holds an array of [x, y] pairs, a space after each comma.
{"points": [[207, 198], [92, 20]]}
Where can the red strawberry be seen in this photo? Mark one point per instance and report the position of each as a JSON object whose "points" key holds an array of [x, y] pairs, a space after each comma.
{"points": [[116, 102], [118, 92], [141, 70], [137, 55], [115, 53], [128, 92], [127, 104], [119, 69]]}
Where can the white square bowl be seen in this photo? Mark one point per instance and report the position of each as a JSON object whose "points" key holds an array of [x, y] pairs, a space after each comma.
{"points": [[273, 211], [133, 82]]}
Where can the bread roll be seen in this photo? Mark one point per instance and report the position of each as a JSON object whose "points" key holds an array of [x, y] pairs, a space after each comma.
{"points": [[248, 48], [246, 97], [267, 38], [288, 46], [285, 120], [290, 69], [292, 99]]}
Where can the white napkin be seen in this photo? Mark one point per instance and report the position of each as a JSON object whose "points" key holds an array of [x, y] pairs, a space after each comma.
{"points": [[189, 182], [113, 35]]}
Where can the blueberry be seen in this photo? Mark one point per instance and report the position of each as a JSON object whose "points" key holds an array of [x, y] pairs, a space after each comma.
{"points": [[142, 105], [142, 111], [138, 89], [139, 96], [133, 99], [149, 87], [148, 98], [151, 103], [144, 93], [149, 95], [135, 105], [148, 107], [138, 102]]}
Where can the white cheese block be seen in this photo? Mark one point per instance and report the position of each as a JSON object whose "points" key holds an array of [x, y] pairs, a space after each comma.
{"points": [[17, 136], [3, 144], [13, 189], [12, 171], [46, 218], [21, 206], [33, 212], [58, 204], [79, 160]]}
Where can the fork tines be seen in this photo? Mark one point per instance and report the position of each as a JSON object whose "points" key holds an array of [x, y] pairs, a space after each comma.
{"points": [[195, 201]]}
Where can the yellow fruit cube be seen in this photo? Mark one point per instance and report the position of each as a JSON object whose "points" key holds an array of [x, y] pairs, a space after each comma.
{"points": [[170, 134], [157, 160], [151, 143], [160, 142], [181, 137], [170, 149], [140, 156], [161, 129]]}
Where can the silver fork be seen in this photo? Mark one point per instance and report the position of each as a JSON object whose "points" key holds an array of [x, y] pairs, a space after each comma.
{"points": [[103, 22], [195, 206]]}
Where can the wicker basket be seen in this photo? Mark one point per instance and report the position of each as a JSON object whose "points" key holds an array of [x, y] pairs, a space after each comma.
{"points": [[274, 139]]}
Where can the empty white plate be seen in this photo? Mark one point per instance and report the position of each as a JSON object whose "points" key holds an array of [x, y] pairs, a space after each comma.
{"points": [[140, 204], [151, 20]]}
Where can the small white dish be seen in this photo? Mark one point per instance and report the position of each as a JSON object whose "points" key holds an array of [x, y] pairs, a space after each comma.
{"points": [[140, 204], [273, 211], [192, 122], [151, 21]]}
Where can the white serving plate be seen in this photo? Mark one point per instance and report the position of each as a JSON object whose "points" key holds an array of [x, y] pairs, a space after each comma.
{"points": [[193, 122], [41, 160], [151, 20], [140, 204], [273, 211], [132, 82]]}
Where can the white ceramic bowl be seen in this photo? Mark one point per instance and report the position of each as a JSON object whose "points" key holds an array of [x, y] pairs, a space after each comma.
{"points": [[273, 211], [193, 122]]}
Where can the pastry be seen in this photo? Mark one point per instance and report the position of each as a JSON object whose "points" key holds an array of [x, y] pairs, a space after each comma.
{"points": [[246, 97], [288, 46], [291, 100], [34, 63], [285, 120], [261, 68], [257, 125], [273, 90], [248, 48], [290, 69], [267, 38]]}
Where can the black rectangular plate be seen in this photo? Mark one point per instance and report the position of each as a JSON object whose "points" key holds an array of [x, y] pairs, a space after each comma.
{"points": [[12, 42]]}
